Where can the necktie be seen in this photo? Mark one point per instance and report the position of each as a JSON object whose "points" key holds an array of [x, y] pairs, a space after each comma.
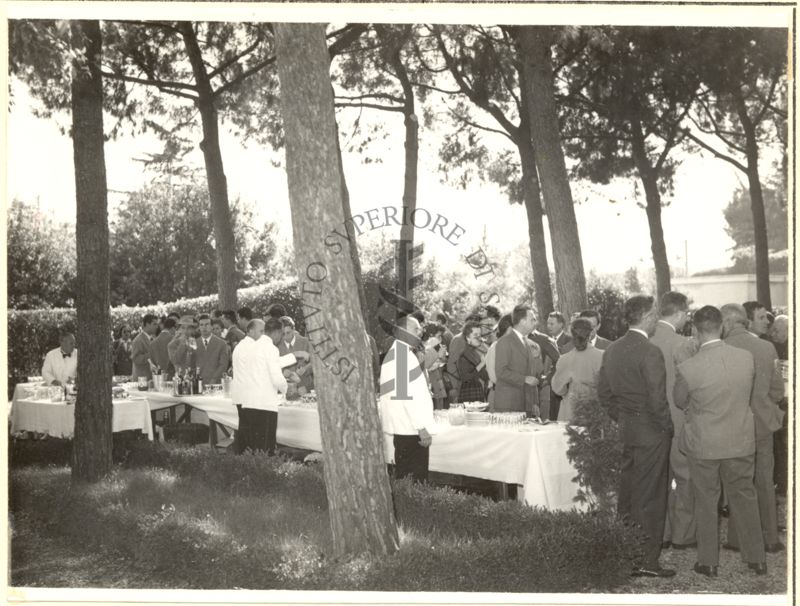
{"points": [[205, 342], [66, 355]]}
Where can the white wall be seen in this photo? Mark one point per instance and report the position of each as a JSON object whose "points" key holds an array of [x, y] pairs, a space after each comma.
{"points": [[735, 288]]}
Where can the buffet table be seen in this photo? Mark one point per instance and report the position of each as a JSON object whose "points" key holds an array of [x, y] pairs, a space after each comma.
{"points": [[57, 419]]}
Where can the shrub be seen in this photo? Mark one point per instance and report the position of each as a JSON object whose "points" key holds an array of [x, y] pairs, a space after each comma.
{"points": [[608, 301], [595, 449]]}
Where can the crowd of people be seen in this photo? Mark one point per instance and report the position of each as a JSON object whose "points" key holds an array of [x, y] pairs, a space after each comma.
{"points": [[698, 415]]}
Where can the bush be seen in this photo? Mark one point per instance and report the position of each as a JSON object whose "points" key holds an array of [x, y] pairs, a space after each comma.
{"points": [[595, 449], [609, 302]]}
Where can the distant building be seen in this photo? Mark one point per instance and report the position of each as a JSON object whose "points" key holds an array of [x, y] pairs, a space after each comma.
{"points": [[731, 288]]}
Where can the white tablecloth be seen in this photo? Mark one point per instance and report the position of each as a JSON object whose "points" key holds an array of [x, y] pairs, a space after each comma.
{"points": [[57, 419]]}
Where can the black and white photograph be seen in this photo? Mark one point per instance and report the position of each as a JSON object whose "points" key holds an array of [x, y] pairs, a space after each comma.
{"points": [[400, 303]]}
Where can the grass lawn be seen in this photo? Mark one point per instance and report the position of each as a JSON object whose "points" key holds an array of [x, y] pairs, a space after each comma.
{"points": [[194, 518]]}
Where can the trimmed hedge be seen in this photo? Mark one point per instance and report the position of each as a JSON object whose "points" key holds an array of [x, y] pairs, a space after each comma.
{"points": [[32, 333]]}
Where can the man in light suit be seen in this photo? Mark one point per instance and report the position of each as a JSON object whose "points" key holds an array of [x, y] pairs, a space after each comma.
{"points": [[767, 393], [140, 348], [212, 353], [159, 349], [632, 385], [518, 366], [718, 438], [257, 380], [405, 403], [680, 528]]}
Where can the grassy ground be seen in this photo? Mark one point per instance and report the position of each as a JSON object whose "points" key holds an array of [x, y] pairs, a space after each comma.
{"points": [[196, 519]]}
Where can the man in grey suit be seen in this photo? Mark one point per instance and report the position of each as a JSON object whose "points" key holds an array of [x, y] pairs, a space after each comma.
{"points": [[159, 349], [767, 393], [518, 366], [212, 353], [680, 528], [718, 438], [632, 386], [140, 348]]}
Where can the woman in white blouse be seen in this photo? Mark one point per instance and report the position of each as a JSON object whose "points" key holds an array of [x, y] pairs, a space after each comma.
{"points": [[576, 371]]}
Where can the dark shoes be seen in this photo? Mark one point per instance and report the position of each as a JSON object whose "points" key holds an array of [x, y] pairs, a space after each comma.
{"points": [[760, 568], [709, 571], [730, 547], [683, 546], [655, 573], [666, 544], [775, 547]]}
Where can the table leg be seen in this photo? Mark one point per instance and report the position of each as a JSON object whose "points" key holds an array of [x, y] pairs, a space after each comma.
{"points": [[212, 433]]}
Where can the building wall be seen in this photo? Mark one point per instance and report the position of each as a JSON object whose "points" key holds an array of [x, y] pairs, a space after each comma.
{"points": [[736, 288]]}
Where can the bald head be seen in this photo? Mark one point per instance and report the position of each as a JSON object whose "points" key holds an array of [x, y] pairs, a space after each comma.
{"points": [[780, 329], [409, 329], [733, 316]]}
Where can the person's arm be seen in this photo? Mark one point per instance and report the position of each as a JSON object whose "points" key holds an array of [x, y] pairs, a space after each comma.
{"points": [[141, 353], [286, 360], [605, 393], [275, 369], [48, 372], [560, 381], [776, 393], [222, 362], [654, 371], [680, 393]]}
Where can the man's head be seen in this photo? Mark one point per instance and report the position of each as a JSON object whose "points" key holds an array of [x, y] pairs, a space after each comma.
{"points": [[640, 313], [674, 308], [169, 325], [276, 310], [409, 330], [733, 316], [273, 328], [216, 327], [758, 321], [150, 323], [216, 314], [708, 322], [523, 319], [492, 313], [245, 315], [175, 316], [594, 319], [503, 326], [555, 323], [288, 328], [187, 325], [780, 329], [123, 332], [228, 318], [255, 328], [441, 318], [67, 341], [205, 325]]}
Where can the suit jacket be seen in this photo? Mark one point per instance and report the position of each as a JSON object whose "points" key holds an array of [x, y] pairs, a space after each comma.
{"points": [[159, 353], [675, 349], [550, 353], [512, 363], [564, 343], [454, 351], [601, 343], [714, 387], [632, 384], [235, 334], [767, 384], [212, 360], [140, 356], [300, 344]]}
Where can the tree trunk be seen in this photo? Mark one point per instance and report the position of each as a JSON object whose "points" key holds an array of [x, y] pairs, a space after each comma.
{"points": [[359, 497], [405, 260], [760, 235], [653, 208], [91, 458], [225, 244], [533, 207], [534, 44]]}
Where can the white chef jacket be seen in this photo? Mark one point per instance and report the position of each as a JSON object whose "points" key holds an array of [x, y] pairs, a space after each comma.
{"points": [[58, 368], [257, 375], [405, 417]]}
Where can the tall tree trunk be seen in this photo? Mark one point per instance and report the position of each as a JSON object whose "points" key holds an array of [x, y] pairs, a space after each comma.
{"points": [[653, 208], [225, 244], [91, 459], [533, 206], [359, 497], [535, 47], [760, 235], [405, 273]]}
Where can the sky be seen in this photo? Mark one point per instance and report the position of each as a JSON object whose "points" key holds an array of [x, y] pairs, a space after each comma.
{"points": [[614, 235]]}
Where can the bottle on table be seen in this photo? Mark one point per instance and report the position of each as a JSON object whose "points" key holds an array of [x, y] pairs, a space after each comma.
{"points": [[198, 382]]}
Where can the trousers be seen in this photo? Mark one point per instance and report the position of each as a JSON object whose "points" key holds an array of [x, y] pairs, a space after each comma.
{"points": [[257, 429], [680, 527], [765, 492], [736, 476], [410, 458]]}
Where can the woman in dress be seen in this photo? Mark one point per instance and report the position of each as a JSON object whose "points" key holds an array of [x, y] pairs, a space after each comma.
{"points": [[576, 371], [472, 366]]}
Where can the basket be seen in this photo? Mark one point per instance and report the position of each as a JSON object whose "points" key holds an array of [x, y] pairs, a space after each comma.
{"points": [[186, 433]]}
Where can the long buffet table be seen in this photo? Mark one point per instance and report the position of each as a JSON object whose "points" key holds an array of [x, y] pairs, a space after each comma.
{"points": [[533, 457]]}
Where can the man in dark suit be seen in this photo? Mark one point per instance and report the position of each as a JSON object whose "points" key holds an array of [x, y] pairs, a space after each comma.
{"points": [[291, 343], [632, 385], [234, 334], [680, 528], [212, 353], [718, 438], [159, 349], [140, 348], [442, 320], [518, 366], [594, 317], [550, 355], [766, 394], [555, 326]]}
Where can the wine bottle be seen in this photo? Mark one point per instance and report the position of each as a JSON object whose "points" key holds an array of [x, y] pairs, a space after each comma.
{"points": [[199, 382]]}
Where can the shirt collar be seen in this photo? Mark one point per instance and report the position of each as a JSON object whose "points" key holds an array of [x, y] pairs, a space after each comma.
{"points": [[291, 343], [754, 334], [558, 336], [640, 331], [64, 354], [519, 334], [670, 324], [593, 341], [711, 342]]}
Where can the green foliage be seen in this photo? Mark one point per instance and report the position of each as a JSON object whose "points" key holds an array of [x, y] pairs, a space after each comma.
{"points": [[608, 300], [739, 217], [196, 518], [595, 449], [41, 259]]}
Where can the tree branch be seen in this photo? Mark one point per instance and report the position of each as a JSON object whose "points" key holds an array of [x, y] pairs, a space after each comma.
{"points": [[235, 59], [767, 103], [166, 87], [385, 96], [468, 122], [386, 108], [349, 34], [716, 153], [243, 76]]}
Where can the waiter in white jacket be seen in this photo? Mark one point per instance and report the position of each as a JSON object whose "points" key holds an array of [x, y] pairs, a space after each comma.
{"points": [[257, 379], [61, 364], [406, 404]]}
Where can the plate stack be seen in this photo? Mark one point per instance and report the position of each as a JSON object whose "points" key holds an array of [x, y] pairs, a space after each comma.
{"points": [[478, 419]]}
